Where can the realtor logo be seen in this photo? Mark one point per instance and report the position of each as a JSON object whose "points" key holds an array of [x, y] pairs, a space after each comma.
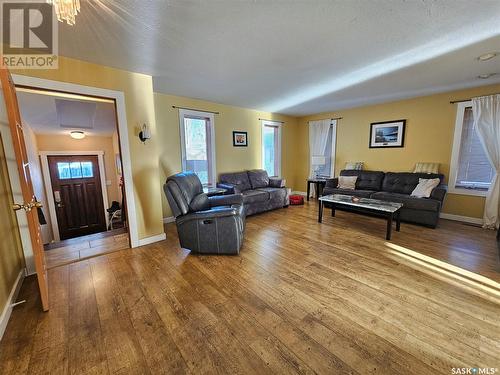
{"points": [[29, 35]]}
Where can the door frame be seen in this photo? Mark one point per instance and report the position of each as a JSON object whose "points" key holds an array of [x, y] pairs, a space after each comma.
{"points": [[44, 156], [123, 134]]}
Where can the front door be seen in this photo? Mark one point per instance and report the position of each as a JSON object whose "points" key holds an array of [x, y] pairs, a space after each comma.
{"points": [[29, 204], [77, 192]]}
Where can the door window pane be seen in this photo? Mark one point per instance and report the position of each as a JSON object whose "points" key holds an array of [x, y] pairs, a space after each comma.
{"points": [[76, 169], [63, 171], [87, 170]]}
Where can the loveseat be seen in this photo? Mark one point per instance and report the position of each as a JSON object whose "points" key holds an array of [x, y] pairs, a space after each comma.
{"points": [[260, 192], [395, 187]]}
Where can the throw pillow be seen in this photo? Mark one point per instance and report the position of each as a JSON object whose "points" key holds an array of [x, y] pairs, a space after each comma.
{"points": [[426, 168], [425, 187], [356, 165], [347, 182]]}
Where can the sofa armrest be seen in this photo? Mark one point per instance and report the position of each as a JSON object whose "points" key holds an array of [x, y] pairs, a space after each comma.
{"points": [[225, 200], [277, 182], [213, 213], [231, 189], [439, 192], [332, 183]]}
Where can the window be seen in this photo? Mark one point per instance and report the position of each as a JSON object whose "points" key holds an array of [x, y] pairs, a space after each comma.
{"points": [[471, 172], [75, 169], [198, 144], [271, 147]]}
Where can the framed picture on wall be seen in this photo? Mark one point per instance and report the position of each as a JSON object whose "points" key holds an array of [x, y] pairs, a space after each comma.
{"points": [[387, 134], [240, 139]]}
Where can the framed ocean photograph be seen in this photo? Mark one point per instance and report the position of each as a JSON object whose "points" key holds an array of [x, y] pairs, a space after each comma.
{"points": [[387, 134], [240, 139]]}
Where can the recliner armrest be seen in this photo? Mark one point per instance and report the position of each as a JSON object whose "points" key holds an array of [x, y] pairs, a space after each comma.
{"points": [[225, 200], [332, 182], [208, 214], [231, 189], [439, 192], [277, 182]]}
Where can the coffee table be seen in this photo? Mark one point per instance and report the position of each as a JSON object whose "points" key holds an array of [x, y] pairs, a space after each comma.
{"points": [[389, 210]]}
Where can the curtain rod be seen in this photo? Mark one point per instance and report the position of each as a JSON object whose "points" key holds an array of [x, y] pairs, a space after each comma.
{"points": [[263, 119], [194, 109], [468, 100]]}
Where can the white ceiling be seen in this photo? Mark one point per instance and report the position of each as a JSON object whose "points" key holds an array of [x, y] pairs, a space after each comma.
{"points": [[47, 114], [295, 57]]}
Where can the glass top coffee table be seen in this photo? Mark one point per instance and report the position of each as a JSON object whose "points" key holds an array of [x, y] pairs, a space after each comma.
{"points": [[389, 210]]}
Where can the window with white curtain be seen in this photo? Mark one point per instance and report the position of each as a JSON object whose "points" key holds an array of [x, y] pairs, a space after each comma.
{"points": [[271, 147], [198, 144], [471, 172]]}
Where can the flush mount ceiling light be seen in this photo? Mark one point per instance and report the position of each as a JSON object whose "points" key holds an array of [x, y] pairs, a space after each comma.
{"points": [[66, 10], [76, 134], [486, 76], [487, 56]]}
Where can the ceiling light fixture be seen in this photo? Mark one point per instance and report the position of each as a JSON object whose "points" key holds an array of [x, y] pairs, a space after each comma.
{"points": [[486, 76], [76, 134], [66, 10], [487, 56]]}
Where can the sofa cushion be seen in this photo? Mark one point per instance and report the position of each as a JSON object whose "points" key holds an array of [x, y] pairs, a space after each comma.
{"points": [[258, 178], [424, 204], [367, 180], [275, 193], [254, 196], [239, 180], [403, 182], [354, 193]]}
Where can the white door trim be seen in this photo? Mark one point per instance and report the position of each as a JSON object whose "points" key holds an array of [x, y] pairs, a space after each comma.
{"points": [[48, 184], [119, 98]]}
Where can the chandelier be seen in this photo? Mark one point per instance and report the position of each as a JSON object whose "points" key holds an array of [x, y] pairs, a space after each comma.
{"points": [[66, 10]]}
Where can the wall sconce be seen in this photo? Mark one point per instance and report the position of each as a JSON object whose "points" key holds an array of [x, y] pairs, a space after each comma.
{"points": [[145, 133]]}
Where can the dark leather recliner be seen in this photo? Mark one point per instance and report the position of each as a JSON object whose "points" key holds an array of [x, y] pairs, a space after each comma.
{"points": [[206, 225]]}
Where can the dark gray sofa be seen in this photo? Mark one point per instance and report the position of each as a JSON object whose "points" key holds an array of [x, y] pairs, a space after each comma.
{"points": [[206, 225], [395, 187], [260, 192]]}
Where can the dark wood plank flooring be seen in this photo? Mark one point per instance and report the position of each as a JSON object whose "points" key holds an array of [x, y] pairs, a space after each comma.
{"points": [[302, 297]]}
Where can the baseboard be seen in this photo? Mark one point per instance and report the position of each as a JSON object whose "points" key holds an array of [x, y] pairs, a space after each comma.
{"points": [[299, 193], [4, 318], [169, 219], [152, 239], [464, 219]]}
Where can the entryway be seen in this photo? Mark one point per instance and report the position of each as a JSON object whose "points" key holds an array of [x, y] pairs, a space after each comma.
{"points": [[75, 160]]}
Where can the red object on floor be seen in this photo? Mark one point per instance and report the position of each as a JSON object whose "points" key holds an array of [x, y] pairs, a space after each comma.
{"points": [[296, 200]]}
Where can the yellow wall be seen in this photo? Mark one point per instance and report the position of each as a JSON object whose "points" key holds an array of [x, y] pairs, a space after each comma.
{"points": [[229, 158], [11, 258], [430, 123], [52, 142], [138, 91]]}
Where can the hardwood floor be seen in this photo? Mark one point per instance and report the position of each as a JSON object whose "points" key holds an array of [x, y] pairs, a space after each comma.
{"points": [[76, 249], [302, 297]]}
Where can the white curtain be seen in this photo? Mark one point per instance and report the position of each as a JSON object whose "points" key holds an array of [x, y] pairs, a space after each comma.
{"points": [[486, 111], [318, 138]]}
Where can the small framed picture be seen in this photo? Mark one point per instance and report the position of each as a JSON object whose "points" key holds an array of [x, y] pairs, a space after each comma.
{"points": [[387, 134], [240, 139]]}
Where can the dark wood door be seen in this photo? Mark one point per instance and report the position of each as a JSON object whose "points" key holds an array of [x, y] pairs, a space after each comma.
{"points": [[23, 167], [77, 192]]}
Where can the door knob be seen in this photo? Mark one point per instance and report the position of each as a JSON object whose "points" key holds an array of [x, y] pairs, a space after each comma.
{"points": [[27, 206]]}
